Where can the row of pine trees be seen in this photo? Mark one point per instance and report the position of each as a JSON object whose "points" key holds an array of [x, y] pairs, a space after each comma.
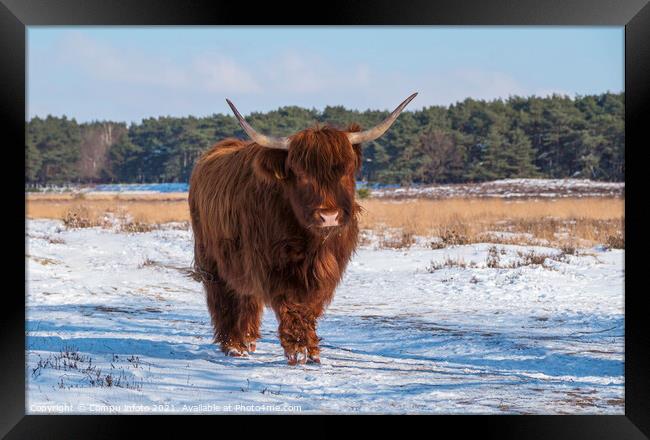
{"points": [[473, 140]]}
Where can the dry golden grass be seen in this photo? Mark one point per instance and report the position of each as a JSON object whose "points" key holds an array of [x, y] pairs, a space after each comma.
{"points": [[427, 215], [143, 208], [112, 196], [566, 222]]}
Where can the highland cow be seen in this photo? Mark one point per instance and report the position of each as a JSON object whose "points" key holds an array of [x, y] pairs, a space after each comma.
{"points": [[275, 223]]}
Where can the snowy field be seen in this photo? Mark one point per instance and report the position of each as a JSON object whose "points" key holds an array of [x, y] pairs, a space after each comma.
{"points": [[114, 324], [508, 189], [504, 188]]}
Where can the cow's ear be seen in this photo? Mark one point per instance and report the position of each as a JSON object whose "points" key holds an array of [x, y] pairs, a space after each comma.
{"points": [[268, 165], [356, 147]]}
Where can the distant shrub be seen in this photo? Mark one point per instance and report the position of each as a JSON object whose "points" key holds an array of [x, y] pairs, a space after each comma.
{"points": [[568, 248], [402, 241], [79, 217], [493, 260], [135, 227], [615, 241], [363, 193], [532, 258], [450, 263], [454, 236]]}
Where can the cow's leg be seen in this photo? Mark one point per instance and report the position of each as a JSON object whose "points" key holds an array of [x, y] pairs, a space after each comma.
{"points": [[250, 317], [226, 312], [313, 349], [297, 329]]}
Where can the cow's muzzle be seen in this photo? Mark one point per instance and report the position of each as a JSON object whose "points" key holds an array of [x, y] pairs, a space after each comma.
{"points": [[328, 218]]}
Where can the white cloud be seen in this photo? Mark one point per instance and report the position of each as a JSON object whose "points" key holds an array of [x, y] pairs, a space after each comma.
{"points": [[105, 62], [301, 73], [295, 73], [362, 74], [448, 86], [219, 74], [482, 84], [124, 79], [210, 72]]}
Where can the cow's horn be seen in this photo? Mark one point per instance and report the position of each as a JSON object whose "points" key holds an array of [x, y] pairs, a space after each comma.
{"points": [[379, 129], [263, 140]]}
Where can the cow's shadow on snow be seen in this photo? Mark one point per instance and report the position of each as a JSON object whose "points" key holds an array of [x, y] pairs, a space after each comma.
{"points": [[129, 331], [577, 349], [564, 349]]}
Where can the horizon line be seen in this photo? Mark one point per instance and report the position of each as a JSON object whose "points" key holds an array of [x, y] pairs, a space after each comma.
{"points": [[573, 97]]}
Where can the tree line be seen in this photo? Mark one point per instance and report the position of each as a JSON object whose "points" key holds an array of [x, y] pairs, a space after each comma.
{"points": [[472, 140]]}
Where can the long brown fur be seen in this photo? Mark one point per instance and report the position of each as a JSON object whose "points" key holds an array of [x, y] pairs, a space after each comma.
{"points": [[255, 219]]}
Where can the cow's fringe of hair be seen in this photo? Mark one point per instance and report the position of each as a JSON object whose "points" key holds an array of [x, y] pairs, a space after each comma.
{"points": [[202, 275]]}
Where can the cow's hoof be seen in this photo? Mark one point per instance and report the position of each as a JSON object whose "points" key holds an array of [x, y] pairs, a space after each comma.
{"points": [[297, 358], [234, 352], [313, 359]]}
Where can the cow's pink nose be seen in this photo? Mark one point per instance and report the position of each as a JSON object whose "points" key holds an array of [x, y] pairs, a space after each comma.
{"points": [[329, 219]]}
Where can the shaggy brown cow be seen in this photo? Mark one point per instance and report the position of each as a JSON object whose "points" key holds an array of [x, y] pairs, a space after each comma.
{"points": [[275, 224]]}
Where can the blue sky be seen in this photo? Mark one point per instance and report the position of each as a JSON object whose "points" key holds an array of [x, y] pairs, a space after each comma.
{"points": [[130, 73]]}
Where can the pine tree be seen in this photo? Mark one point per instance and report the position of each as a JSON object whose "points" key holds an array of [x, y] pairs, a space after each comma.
{"points": [[124, 162], [57, 142], [471, 140], [490, 162], [519, 155]]}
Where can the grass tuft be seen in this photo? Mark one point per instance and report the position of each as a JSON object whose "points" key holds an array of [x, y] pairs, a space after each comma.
{"points": [[403, 240], [79, 217], [615, 241]]}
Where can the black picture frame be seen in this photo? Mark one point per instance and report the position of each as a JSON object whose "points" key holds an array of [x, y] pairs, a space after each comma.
{"points": [[15, 15]]}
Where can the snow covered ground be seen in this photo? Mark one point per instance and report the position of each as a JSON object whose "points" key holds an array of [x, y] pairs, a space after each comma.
{"points": [[508, 188], [114, 324], [504, 188]]}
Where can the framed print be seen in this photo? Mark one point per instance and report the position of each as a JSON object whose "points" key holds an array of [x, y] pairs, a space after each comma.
{"points": [[376, 210]]}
